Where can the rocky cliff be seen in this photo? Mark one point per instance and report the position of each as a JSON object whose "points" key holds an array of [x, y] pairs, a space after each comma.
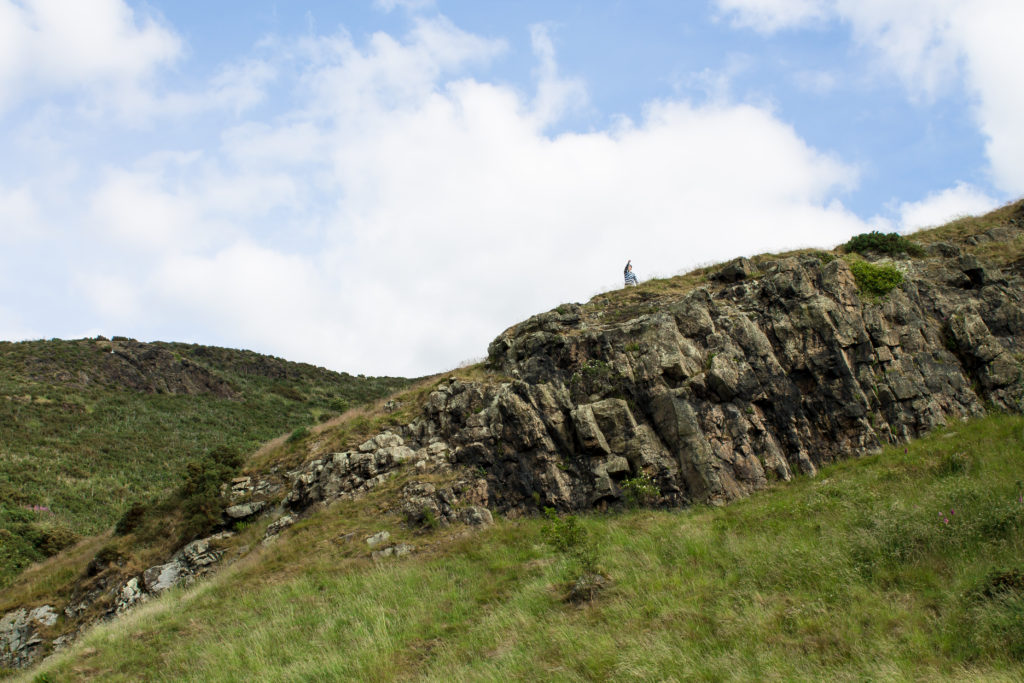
{"points": [[752, 372], [709, 386], [715, 392]]}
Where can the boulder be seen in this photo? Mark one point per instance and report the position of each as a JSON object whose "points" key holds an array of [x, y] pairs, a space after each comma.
{"points": [[237, 512], [20, 640], [163, 576], [377, 539], [734, 271]]}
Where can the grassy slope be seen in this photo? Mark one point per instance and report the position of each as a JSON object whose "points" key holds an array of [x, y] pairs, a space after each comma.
{"points": [[852, 575], [88, 450]]}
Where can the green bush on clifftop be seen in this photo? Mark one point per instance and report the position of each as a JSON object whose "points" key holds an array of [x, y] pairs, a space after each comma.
{"points": [[891, 243]]}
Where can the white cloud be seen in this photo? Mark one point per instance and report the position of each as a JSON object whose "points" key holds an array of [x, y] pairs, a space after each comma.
{"points": [[932, 46], [769, 16], [133, 211], [52, 45], [19, 215], [990, 35], [401, 213], [116, 298], [555, 95], [411, 5], [13, 328], [716, 84], [939, 208], [447, 213]]}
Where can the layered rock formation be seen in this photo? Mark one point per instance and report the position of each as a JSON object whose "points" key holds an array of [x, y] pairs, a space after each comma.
{"points": [[738, 382], [761, 372]]}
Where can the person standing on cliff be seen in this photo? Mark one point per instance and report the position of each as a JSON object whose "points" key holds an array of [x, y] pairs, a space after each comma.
{"points": [[629, 274]]}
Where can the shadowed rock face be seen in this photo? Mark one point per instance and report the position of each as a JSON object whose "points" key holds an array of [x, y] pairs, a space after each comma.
{"points": [[714, 393]]}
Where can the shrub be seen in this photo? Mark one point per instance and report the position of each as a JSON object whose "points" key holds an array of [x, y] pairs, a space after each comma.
{"points": [[430, 520], [131, 519], [891, 243], [875, 280], [640, 490], [51, 539], [200, 493], [573, 542], [298, 435]]}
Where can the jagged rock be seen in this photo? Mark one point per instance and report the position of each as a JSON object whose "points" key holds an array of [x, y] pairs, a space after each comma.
{"points": [[163, 576], [199, 554], [424, 504], [348, 473], [131, 594], [589, 433], [45, 615], [241, 486], [398, 550], [279, 525], [722, 389], [384, 440], [20, 641], [734, 271], [378, 538], [193, 559], [244, 510], [475, 515]]}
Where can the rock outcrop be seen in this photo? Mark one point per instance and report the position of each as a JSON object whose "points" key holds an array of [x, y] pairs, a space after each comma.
{"points": [[752, 377], [714, 393], [20, 638]]}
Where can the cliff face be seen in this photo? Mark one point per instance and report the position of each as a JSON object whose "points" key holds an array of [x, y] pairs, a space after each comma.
{"points": [[753, 376]]}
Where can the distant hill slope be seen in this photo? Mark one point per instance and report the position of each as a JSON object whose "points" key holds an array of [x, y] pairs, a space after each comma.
{"points": [[88, 427]]}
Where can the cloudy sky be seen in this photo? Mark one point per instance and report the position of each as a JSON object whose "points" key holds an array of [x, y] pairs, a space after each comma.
{"points": [[383, 186]]}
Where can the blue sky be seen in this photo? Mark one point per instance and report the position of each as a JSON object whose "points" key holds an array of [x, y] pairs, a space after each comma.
{"points": [[382, 186]]}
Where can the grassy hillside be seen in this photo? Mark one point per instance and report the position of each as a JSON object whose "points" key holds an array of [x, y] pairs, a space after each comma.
{"points": [[902, 566], [88, 427]]}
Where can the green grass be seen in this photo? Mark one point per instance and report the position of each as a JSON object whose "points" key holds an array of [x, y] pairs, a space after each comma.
{"points": [[74, 439], [861, 573]]}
